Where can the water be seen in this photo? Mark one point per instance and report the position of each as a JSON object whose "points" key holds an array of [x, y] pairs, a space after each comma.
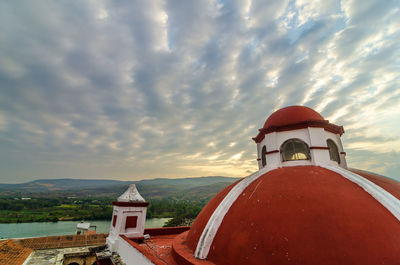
{"points": [[22, 230]]}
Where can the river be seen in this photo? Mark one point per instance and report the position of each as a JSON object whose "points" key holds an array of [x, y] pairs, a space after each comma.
{"points": [[22, 230]]}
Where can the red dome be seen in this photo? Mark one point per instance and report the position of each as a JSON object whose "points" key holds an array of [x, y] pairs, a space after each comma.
{"points": [[301, 215], [292, 115], [293, 118]]}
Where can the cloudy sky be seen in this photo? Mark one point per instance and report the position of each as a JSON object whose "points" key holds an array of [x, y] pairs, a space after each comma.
{"points": [[143, 89]]}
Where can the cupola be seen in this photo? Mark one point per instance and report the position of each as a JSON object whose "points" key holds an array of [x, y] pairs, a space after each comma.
{"points": [[129, 216], [298, 135]]}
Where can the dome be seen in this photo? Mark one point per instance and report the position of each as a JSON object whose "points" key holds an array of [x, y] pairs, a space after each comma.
{"points": [[303, 206], [300, 215], [293, 118], [292, 115]]}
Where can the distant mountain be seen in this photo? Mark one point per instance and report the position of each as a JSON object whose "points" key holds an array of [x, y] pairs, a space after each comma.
{"points": [[204, 192], [153, 188], [45, 185], [160, 188]]}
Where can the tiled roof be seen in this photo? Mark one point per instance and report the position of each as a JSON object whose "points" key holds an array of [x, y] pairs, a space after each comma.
{"points": [[62, 241], [157, 249], [12, 253]]}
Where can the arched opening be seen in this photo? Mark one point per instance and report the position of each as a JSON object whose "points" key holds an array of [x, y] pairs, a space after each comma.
{"points": [[295, 149], [333, 151], [263, 156], [73, 263]]}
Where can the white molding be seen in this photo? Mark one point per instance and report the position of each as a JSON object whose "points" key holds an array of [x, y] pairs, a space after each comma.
{"points": [[210, 230], [391, 203]]}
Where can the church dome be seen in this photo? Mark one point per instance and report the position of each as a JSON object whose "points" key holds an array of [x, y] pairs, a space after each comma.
{"points": [[300, 215], [303, 206], [292, 115]]}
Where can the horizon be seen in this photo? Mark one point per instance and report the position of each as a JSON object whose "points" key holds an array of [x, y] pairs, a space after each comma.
{"points": [[93, 179], [111, 90]]}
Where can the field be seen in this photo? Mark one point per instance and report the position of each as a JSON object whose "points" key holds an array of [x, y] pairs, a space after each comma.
{"points": [[180, 200], [14, 210]]}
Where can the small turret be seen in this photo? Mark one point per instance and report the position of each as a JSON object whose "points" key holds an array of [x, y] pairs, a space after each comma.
{"points": [[129, 216], [299, 136]]}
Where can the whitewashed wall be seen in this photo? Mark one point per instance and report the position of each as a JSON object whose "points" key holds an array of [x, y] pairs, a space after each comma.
{"points": [[130, 255], [313, 137]]}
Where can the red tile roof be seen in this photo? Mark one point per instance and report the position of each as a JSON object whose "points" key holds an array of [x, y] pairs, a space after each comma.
{"points": [[12, 253], [158, 249], [63, 241]]}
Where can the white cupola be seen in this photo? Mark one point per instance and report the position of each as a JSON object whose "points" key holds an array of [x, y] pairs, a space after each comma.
{"points": [[298, 135], [129, 216]]}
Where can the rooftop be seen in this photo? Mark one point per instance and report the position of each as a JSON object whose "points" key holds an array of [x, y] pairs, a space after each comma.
{"points": [[158, 248], [305, 192], [12, 253], [67, 241], [292, 115], [131, 195]]}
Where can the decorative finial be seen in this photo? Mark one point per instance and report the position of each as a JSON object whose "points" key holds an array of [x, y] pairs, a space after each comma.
{"points": [[131, 195]]}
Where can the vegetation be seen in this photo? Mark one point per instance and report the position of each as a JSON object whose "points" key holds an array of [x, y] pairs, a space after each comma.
{"points": [[14, 210], [181, 200], [153, 188], [181, 212]]}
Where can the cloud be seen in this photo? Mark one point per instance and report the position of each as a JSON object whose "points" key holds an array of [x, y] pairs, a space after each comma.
{"points": [[136, 89]]}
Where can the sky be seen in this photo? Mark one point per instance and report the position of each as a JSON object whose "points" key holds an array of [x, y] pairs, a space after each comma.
{"points": [[135, 90]]}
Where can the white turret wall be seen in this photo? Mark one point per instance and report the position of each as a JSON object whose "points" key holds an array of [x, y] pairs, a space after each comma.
{"points": [[129, 217], [122, 213], [338, 142], [315, 138]]}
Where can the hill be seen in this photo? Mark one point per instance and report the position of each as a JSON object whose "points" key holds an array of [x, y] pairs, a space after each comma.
{"points": [[153, 188], [80, 199], [48, 185]]}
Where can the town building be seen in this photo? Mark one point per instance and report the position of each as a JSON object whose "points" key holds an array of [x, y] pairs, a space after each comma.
{"points": [[57, 250]]}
